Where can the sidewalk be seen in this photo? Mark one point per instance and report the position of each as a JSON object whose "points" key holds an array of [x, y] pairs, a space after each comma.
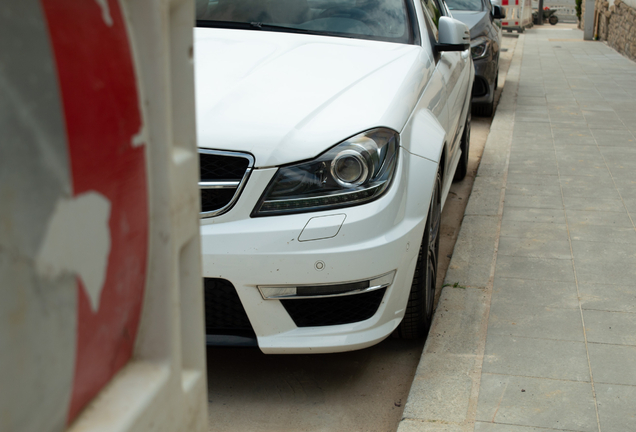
{"points": [[536, 328]]}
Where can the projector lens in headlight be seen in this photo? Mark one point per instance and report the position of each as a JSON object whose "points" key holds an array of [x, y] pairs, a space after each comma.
{"points": [[349, 168]]}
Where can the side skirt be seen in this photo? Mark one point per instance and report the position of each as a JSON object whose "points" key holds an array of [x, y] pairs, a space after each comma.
{"points": [[448, 176]]}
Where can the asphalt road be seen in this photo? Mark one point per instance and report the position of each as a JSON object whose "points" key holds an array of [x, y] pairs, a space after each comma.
{"points": [[356, 391]]}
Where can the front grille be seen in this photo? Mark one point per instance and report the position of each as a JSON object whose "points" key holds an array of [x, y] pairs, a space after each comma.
{"points": [[480, 87], [224, 312], [214, 199], [222, 177], [222, 167], [334, 310]]}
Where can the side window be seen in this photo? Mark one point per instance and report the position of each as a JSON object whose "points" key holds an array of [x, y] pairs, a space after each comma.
{"points": [[433, 11]]}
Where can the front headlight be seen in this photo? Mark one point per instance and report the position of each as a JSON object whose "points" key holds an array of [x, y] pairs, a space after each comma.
{"points": [[479, 50], [356, 171]]}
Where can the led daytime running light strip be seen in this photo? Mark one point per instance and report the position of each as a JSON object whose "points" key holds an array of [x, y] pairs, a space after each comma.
{"points": [[286, 292], [297, 203]]}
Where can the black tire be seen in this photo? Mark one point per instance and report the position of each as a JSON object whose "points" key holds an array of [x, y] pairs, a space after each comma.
{"points": [[462, 165], [485, 109], [420, 307], [553, 20]]}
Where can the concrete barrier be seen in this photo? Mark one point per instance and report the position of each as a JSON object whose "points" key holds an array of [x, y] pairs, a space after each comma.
{"points": [[101, 312]]}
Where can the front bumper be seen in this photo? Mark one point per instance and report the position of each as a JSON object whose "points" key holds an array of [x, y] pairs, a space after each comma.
{"points": [[485, 75], [370, 240]]}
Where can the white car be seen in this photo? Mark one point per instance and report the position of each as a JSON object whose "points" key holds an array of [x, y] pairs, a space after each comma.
{"points": [[329, 132]]}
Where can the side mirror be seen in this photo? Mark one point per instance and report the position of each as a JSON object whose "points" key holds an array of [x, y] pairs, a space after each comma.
{"points": [[453, 35], [498, 12]]}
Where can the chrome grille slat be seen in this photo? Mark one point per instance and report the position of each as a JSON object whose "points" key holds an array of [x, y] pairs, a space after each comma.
{"points": [[222, 177], [228, 184]]}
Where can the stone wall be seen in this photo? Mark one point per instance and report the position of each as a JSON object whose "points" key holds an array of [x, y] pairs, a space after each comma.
{"points": [[582, 20], [617, 25]]}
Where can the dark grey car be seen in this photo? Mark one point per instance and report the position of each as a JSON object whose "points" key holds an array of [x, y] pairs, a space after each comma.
{"points": [[485, 32]]}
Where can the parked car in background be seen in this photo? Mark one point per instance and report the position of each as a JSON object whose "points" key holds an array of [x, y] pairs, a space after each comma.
{"points": [[329, 132], [482, 18]]}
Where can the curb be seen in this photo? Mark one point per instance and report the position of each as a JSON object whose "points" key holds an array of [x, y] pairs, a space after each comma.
{"points": [[445, 389]]}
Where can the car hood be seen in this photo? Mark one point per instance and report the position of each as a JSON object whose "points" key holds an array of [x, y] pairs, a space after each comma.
{"points": [[475, 20], [288, 97]]}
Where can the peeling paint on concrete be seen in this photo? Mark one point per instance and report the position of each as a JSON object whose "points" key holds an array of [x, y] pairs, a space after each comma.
{"points": [[77, 241]]}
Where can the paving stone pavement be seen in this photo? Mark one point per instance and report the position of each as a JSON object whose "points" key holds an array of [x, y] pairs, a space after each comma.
{"points": [[542, 334]]}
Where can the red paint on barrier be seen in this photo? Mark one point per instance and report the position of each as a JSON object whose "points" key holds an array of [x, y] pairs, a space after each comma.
{"points": [[504, 2], [101, 110], [505, 23]]}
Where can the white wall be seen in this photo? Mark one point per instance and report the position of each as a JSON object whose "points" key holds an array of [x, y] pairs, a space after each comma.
{"points": [[631, 3]]}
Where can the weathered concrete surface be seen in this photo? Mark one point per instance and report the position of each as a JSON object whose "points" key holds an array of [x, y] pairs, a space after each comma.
{"points": [[442, 387], [556, 348], [444, 393]]}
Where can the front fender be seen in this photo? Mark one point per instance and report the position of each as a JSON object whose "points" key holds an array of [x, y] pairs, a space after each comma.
{"points": [[424, 136]]}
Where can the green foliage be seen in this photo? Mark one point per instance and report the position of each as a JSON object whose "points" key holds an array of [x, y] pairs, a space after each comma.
{"points": [[578, 9]]}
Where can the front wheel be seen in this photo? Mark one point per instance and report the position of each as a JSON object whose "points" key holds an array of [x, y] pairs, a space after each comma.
{"points": [[553, 20], [419, 309], [485, 109]]}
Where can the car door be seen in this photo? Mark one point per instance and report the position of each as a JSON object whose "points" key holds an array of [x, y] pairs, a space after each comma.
{"points": [[452, 67], [437, 81], [494, 28]]}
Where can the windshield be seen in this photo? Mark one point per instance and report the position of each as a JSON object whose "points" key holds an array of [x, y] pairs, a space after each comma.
{"points": [[386, 20], [467, 5]]}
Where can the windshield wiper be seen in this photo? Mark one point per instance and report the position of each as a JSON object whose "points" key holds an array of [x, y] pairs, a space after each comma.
{"points": [[246, 26], [266, 27]]}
